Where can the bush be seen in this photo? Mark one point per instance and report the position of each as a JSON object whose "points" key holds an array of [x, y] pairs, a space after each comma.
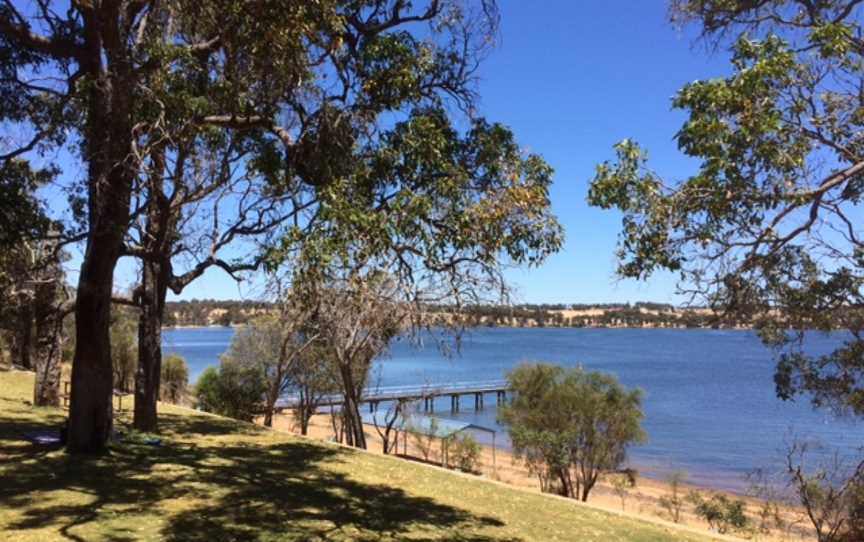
{"points": [[174, 378], [232, 390], [463, 452], [722, 513], [570, 425]]}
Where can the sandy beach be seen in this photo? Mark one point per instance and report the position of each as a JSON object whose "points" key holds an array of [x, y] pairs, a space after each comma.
{"points": [[642, 501]]}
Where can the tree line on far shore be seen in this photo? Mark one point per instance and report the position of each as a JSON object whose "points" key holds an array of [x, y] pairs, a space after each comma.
{"points": [[209, 312]]}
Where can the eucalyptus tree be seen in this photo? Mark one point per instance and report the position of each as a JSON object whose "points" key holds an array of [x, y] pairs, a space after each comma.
{"points": [[429, 216], [570, 425], [199, 204], [125, 86], [274, 345], [357, 316], [768, 227], [313, 380]]}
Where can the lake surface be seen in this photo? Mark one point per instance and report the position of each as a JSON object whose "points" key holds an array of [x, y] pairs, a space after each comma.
{"points": [[709, 401]]}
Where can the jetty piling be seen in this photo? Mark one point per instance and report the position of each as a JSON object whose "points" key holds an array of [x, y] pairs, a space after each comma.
{"points": [[415, 393]]}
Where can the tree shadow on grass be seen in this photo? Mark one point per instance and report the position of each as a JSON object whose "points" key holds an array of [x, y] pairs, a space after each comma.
{"points": [[229, 488], [275, 495], [203, 424]]}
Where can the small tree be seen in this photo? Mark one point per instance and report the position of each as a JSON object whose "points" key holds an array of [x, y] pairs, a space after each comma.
{"points": [[622, 483], [674, 502], [424, 437], [571, 425], [463, 452], [722, 513], [271, 345], [357, 317], [174, 379], [313, 377], [207, 390], [234, 390], [389, 436], [337, 423]]}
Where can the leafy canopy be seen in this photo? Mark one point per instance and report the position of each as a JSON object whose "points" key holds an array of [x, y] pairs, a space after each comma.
{"points": [[767, 229]]}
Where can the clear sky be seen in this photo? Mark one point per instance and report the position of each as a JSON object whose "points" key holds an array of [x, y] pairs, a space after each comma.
{"points": [[572, 78]]}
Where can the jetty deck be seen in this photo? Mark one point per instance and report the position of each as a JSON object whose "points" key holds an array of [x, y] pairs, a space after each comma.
{"points": [[428, 394]]}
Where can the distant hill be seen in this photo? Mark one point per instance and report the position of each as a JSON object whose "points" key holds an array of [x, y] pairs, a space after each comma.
{"points": [[208, 312]]}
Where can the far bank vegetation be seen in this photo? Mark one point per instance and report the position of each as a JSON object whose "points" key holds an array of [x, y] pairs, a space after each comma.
{"points": [[208, 312]]}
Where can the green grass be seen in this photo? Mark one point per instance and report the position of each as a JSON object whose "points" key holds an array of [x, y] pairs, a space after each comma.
{"points": [[214, 479]]}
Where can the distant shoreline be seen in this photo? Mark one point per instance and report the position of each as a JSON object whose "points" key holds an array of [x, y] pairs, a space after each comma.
{"points": [[484, 326]]}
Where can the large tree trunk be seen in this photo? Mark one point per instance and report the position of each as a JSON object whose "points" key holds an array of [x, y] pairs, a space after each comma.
{"points": [[49, 322], [268, 413], [154, 289], [305, 409], [90, 410], [148, 375], [111, 168], [351, 409]]}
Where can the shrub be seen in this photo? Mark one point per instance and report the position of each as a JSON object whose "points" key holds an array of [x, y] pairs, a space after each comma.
{"points": [[174, 378], [232, 390], [571, 425], [722, 513], [464, 452]]}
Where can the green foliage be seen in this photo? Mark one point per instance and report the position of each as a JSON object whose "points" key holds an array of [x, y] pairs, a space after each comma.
{"points": [[427, 202], [174, 378], [764, 231], [570, 425], [723, 514], [463, 452], [234, 390], [23, 216], [207, 390]]}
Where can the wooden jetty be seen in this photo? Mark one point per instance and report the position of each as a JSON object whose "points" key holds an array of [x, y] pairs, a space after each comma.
{"points": [[428, 394]]}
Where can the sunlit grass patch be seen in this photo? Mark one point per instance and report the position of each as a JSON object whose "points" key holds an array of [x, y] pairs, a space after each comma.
{"points": [[211, 479]]}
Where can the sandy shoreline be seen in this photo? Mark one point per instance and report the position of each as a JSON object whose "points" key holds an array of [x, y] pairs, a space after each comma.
{"points": [[642, 501]]}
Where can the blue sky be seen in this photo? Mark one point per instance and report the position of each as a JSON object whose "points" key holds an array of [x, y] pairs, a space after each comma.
{"points": [[572, 78]]}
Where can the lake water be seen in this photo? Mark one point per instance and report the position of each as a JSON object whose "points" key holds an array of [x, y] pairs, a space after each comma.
{"points": [[709, 401]]}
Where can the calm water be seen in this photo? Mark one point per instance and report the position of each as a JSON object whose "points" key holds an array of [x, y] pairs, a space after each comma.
{"points": [[709, 400]]}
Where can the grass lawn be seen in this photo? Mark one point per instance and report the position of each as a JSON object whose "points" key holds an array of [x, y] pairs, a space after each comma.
{"points": [[214, 479]]}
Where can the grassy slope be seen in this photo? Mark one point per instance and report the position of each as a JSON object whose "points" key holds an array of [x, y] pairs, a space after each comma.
{"points": [[215, 479]]}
